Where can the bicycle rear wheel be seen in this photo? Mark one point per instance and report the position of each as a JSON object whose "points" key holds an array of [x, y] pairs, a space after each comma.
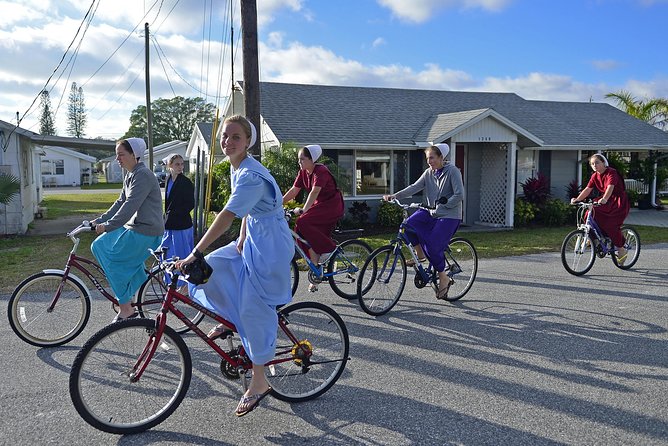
{"points": [[28, 310], [150, 297], [102, 384], [385, 272], [294, 275], [462, 263], [310, 366], [345, 266], [632, 245], [577, 252]]}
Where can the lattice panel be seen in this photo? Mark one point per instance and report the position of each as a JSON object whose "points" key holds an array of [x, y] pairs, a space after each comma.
{"points": [[493, 185]]}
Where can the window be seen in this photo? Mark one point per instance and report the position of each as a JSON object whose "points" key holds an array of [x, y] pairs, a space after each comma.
{"points": [[526, 167], [53, 167], [401, 173], [344, 168], [372, 173]]}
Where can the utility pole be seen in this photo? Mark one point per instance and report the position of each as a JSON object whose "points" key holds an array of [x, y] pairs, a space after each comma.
{"points": [[251, 71], [149, 119]]}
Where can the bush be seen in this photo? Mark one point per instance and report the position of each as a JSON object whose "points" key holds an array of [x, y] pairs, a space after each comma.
{"points": [[389, 214], [536, 189], [525, 212], [359, 212], [573, 189], [634, 196], [555, 212]]}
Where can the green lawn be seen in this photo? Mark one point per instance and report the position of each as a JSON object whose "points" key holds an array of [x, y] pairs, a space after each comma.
{"points": [[62, 205], [23, 256]]}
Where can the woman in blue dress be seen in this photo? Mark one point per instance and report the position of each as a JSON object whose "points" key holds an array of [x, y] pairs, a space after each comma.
{"points": [[179, 202], [251, 276]]}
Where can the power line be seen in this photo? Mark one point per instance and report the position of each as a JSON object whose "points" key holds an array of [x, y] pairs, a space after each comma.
{"points": [[18, 121]]}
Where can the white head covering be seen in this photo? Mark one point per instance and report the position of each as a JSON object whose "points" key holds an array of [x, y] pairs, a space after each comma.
{"points": [[166, 159], [315, 151], [138, 146], [444, 148], [253, 137], [605, 160]]}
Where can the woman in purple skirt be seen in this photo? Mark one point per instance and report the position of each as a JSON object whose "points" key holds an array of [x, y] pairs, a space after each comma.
{"points": [[444, 191]]}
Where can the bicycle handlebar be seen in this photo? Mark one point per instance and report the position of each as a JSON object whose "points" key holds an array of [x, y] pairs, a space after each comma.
{"points": [[85, 226], [587, 203], [411, 206]]}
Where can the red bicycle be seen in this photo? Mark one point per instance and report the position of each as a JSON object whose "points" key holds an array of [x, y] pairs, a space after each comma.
{"points": [[52, 307], [132, 375]]}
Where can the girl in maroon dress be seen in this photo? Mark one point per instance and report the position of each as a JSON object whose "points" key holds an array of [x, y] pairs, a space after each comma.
{"points": [[614, 204], [323, 207]]}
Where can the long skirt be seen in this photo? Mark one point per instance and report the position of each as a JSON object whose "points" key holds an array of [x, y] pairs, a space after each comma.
{"points": [[433, 235], [610, 217], [316, 225], [246, 289], [121, 253], [179, 243]]}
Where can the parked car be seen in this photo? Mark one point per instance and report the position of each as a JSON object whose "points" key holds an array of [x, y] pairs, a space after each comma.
{"points": [[160, 175]]}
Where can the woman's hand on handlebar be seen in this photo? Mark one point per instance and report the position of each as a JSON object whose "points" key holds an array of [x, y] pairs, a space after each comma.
{"points": [[388, 197], [181, 263]]}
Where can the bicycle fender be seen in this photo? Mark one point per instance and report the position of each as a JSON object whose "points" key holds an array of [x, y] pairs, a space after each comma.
{"points": [[71, 276]]}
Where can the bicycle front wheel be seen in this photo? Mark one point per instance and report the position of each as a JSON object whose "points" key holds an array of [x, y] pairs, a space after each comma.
{"points": [[462, 263], [385, 272], [345, 267], [632, 245], [150, 297], [577, 252], [31, 319], [103, 386], [311, 352]]}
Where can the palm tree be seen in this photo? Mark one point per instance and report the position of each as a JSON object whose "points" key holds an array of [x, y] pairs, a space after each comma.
{"points": [[653, 111], [9, 186]]}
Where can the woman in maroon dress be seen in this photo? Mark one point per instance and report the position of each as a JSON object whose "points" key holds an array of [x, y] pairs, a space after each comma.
{"points": [[323, 207], [614, 204]]}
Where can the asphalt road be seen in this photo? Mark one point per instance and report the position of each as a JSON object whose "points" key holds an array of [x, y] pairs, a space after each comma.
{"points": [[531, 356]]}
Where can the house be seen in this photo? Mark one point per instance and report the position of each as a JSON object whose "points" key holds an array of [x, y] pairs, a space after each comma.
{"points": [[198, 151], [65, 167], [376, 136], [21, 154], [113, 172]]}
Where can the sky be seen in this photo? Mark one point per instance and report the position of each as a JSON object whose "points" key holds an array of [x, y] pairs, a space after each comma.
{"points": [[566, 50]]}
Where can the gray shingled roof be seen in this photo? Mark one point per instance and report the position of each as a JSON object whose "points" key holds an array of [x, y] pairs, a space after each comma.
{"points": [[388, 116]]}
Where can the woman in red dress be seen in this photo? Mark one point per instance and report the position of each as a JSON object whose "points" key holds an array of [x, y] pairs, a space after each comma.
{"points": [[614, 204], [323, 207]]}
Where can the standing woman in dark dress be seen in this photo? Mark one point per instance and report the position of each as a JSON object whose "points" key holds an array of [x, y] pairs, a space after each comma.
{"points": [[179, 202]]}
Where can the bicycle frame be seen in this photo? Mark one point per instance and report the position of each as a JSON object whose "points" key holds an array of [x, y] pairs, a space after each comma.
{"points": [[73, 260], [591, 227], [319, 270], [243, 363]]}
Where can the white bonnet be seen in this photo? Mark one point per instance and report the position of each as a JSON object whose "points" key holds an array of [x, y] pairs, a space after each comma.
{"points": [[315, 151], [138, 146], [444, 148]]}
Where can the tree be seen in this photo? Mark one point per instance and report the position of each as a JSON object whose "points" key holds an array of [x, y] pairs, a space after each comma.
{"points": [[76, 112], [46, 122], [173, 119], [653, 111], [9, 187]]}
